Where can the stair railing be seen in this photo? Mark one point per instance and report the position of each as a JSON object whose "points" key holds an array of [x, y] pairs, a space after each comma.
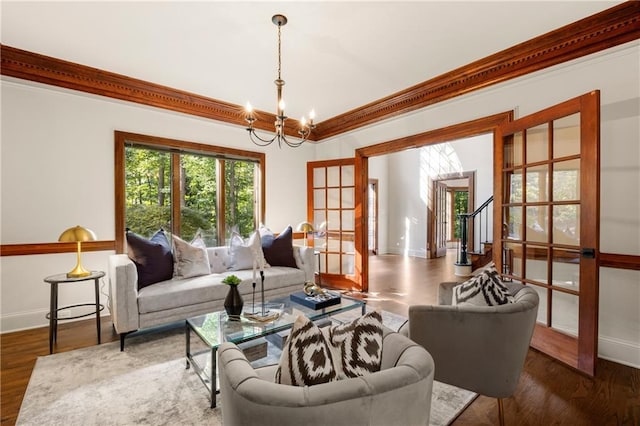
{"points": [[466, 219]]}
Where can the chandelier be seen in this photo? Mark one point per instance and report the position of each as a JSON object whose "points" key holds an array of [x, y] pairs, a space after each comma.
{"points": [[305, 126]]}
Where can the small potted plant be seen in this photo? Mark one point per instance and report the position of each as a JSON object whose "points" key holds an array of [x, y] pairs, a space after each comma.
{"points": [[233, 303]]}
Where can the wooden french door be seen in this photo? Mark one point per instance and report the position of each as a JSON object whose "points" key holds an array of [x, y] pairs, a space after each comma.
{"points": [[331, 210], [547, 180]]}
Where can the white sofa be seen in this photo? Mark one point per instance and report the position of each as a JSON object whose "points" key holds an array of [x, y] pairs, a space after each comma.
{"points": [[179, 299]]}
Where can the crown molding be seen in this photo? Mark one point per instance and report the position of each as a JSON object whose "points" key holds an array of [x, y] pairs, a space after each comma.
{"points": [[609, 28], [612, 27], [57, 72]]}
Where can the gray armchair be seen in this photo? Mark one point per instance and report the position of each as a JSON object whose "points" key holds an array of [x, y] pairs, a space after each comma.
{"points": [[481, 349], [398, 394]]}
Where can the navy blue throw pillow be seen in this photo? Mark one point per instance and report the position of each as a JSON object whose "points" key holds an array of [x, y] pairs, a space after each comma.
{"points": [[153, 258], [278, 251]]}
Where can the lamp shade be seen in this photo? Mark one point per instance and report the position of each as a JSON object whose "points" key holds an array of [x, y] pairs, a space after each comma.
{"points": [[305, 227], [77, 235]]}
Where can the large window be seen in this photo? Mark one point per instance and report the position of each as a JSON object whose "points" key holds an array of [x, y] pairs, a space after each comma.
{"points": [[186, 188]]}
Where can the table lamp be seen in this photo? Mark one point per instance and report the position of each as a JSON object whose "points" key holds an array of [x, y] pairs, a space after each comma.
{"points": [[77, 235], [305, 227]]}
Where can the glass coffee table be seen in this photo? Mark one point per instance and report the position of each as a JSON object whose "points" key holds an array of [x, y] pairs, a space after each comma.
{"points": [[215, 328]]}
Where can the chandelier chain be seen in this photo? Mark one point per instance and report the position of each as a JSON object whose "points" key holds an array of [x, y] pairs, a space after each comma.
{"points": [[279, 54]]}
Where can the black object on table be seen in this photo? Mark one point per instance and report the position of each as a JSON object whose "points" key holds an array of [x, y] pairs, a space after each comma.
{"points": [[52, 316]]}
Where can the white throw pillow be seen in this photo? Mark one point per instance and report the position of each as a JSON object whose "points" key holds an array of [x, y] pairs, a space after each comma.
{"points": [[189, 260], [243, 252]]}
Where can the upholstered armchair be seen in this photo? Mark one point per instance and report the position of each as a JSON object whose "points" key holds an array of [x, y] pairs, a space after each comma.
{"points": [[479, 348], [398, 394]]}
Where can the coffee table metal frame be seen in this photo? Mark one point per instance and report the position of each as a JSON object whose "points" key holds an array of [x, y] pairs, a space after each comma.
{"points": [[215, 328]]}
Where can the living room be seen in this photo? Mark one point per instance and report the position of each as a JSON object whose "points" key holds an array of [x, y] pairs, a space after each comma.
{"points": [[58, 156]]}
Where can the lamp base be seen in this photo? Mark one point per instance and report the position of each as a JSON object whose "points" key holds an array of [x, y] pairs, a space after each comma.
{"points": [[78, 272]]}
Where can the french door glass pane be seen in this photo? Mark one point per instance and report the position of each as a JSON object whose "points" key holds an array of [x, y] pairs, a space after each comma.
{"points": [[513, 189], [333, 223], [319, 199], [537, 224], [333, 263], [566, 224], [320, 221], [513, 151], [564, 312], [333, 198], [566, 180], [319, 177], [347, 176], [348, 245], [348, 262], [537, 144], [542, 305], [566, 268], [566, 136], [536, 264], [348, 220], [537, 184], [512, 259], [513, 218], [347, 198]]}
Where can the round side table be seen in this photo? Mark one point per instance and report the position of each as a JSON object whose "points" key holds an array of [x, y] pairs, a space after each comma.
{"points": [[52, 316]]}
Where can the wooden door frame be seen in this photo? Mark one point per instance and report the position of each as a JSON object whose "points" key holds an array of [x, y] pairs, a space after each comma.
{"points": [[375, 250], [467, 129], [431, 238]]}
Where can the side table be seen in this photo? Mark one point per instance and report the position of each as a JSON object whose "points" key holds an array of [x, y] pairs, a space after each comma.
{"points": [[52, 316]]}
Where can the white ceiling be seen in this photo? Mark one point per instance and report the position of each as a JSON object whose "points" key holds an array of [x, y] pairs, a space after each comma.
{"points": [[336, 55]]}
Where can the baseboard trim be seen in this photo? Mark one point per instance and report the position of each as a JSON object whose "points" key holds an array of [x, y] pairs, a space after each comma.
{"points": [[28, 320], [620, 351]]}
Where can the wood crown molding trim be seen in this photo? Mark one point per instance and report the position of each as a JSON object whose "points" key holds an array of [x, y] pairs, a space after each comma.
{"points": [[612, 27], [57, 72], [53, 248]]}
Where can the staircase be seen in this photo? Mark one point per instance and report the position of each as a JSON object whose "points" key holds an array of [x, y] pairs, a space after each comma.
{"points": [[468, 261]]}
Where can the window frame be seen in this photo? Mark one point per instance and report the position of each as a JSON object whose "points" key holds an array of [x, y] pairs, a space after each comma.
{"points": [[122, 139]]}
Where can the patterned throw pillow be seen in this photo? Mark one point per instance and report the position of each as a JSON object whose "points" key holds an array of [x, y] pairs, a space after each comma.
{"points": [[357, 346], [153, 258], [485, 289], [190, 260], [306, 357]]}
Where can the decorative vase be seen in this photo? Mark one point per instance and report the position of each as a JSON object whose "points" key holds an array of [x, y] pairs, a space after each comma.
{"points": [[233, 303]]}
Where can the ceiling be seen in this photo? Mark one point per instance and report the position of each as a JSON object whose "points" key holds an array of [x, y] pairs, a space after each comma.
{"points": [[336, 56]]}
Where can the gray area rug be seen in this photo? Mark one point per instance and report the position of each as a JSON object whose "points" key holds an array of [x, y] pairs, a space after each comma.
{"points": [[148, 384]]}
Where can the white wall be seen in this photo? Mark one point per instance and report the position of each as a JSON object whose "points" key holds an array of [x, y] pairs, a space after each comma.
{"points": [[615, 73], [58, 171]]}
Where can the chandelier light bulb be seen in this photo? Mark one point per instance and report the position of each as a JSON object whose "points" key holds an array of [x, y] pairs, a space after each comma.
{"points": [[312, 114], [249, 108], [281, 104], [303, 121]]}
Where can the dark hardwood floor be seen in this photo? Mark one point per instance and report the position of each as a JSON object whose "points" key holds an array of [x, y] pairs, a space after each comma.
{"points": [[548, 393]]}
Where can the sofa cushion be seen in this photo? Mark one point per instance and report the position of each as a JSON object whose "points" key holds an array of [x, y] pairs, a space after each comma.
{"points": [[357, 346], [219, 260], [485, 289], [176, 293], [278, 251], [306, 357], [190, 260], [153, 258]]}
